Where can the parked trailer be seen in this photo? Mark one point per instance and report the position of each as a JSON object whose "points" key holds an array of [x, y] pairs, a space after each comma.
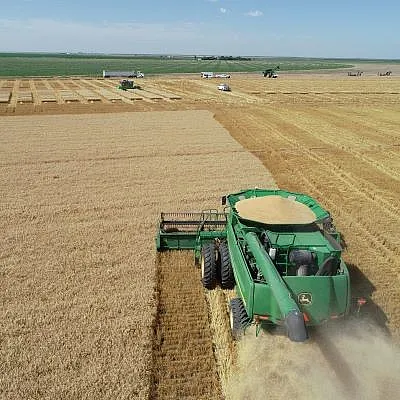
{"points": [[213, 75], [122, 74]]}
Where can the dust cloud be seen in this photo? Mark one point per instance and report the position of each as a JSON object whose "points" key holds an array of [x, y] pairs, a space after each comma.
{"points": [[348, 361]]}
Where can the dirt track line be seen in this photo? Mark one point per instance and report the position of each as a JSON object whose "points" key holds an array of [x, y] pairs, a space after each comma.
{"points": [[386, 283], [14, 95], [361, 119], [383, 283], [184, 365], [376, 241], [388, 171], [147, 156], [345, 178], [354, 183], [376, 238], [233, 95]]}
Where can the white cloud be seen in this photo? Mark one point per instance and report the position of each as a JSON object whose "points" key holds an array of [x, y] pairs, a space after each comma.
{"points": [[223, 10], [255, 13]]}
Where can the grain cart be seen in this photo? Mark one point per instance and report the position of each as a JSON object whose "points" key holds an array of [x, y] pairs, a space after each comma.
{"points": [[278, 249]]}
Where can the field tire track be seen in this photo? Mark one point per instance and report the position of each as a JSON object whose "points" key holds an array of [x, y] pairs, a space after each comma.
{"points": [[372, 249], [390, 172], [353, 185], [184, 364]]}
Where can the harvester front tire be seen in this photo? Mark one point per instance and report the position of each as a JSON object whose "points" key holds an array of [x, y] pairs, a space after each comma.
{"points": [[239, 320], [227, 277], [208, 265]]}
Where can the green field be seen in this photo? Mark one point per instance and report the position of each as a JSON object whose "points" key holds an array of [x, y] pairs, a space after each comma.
{"points": [[42, 64]]}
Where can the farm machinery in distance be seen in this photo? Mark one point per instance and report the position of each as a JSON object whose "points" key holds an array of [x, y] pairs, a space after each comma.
{"points": [[278, 249], [271, 72], [224, 87], [127, 84]]}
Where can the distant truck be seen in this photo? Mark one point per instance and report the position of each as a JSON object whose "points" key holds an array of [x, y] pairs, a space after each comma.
{"points": [[212, 75], [224, 87], [122, 74], [207, 75]]}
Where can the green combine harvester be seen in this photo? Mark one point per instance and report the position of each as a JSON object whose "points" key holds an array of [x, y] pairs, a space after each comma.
{"points": [[271, 72], [127, 84], [279, 249]]}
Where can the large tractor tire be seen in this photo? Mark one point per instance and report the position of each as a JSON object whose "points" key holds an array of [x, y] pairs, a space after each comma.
{"points": [[239, 320], [227, 277], [209, 265]]}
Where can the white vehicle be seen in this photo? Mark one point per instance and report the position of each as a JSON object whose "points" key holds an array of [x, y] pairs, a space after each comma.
{"points": [[224, 87], [222, 76], [207, 74]]}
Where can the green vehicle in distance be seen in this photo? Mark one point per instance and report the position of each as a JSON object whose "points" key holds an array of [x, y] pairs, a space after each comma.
{"points": [[271, 72], [278, 249], [127, 84]]}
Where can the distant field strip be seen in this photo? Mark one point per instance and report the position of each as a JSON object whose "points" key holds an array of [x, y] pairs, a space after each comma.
{"points": [[5, 96], [83, 91], [24, 65]]}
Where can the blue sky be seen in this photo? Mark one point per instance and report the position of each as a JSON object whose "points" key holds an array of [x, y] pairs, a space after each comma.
{"points": [[302, 28]]}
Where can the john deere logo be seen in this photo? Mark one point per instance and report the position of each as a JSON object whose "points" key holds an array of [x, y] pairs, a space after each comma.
{"points": [[305, 299]]}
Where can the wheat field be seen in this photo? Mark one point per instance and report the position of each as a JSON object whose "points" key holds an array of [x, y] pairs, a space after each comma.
{"points": [[80, 201], [88, 307]]}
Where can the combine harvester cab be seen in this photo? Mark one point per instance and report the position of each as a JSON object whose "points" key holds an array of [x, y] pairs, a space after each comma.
{"points": [[279, 250]]}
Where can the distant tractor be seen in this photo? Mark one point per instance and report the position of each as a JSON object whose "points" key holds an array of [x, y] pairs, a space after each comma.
{"points": [[358, 73], [271, 72], [126, 84]]}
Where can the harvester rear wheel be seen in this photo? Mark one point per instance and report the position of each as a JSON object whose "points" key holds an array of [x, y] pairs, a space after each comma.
{"points": [[239, 320], [227, 277], [208, 265]]}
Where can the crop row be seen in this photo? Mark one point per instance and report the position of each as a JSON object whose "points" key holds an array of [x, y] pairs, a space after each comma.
{"points": [[69, 65]]}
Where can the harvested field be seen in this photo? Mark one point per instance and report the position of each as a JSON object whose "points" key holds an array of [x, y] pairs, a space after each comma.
{"points": [[74, 234], [37, 92]]}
